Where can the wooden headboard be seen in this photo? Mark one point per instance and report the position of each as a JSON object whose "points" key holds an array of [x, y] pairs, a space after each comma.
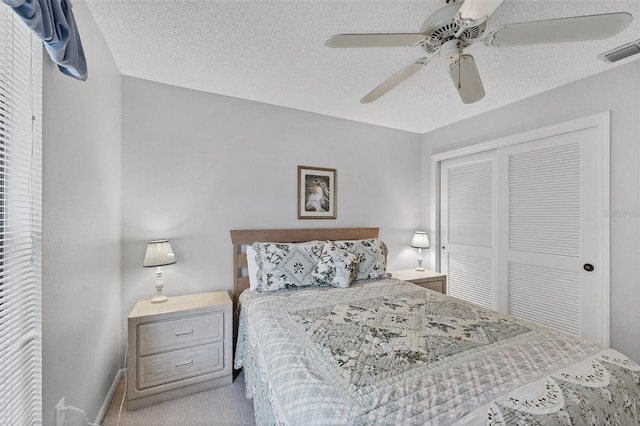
{"points": [[245, 237]]}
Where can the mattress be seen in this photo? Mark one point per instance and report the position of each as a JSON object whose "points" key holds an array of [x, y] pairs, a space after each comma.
{"points": [[389, 352]]}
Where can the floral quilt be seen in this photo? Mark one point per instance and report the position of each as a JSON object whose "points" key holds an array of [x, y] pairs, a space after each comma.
{"points": [[389, 352]]}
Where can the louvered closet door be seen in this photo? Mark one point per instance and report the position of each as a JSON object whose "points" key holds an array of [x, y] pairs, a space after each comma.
{"points": [[468, 227], [548, 215]]}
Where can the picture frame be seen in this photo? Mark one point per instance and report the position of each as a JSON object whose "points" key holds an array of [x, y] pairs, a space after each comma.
{"points": [[316, 193]]}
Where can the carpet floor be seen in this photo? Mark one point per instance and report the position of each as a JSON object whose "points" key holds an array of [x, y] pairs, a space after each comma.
{"points": [[226, 405]]}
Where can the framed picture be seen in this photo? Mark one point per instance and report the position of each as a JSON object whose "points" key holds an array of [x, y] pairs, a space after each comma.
{"points": [[316, 193]]}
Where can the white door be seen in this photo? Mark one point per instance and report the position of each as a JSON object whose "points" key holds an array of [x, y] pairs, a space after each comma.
{"points": [[545, 263], [550, 198], [468, 227]]}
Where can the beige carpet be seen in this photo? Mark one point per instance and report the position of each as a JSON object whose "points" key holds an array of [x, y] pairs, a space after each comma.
{"points": [[226, 405]]}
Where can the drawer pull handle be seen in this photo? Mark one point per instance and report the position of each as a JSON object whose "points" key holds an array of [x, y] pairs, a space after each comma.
{"points": [[184, 364], [184, 333]]}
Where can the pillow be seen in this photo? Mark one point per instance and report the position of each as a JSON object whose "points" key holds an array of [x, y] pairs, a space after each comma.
{"points": [[286, 265], [372, 254], [336, 266], [252, 267]]}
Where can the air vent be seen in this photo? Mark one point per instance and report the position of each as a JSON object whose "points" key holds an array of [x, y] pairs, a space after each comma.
{"points": [[621, 52]]}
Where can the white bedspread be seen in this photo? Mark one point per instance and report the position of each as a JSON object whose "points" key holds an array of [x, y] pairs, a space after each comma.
{"points": [[389, 352]]}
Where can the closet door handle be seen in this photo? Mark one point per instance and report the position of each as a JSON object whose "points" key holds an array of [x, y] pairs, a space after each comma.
{"points": [[588, 267]]}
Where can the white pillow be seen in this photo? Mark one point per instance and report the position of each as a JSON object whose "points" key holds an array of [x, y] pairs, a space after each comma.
{"points": [[252, 266]]}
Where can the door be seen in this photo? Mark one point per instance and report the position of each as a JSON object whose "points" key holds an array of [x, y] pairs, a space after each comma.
{"points": [[549, 231], [530, 237], [468, 227]]}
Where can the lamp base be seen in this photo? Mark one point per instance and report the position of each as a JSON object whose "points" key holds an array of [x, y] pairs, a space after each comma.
{"points": [[159, 299], [420, 268]]}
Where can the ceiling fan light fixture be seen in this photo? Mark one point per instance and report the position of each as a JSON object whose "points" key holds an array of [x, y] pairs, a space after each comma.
{"points": [[450, 51], [464, 74]]}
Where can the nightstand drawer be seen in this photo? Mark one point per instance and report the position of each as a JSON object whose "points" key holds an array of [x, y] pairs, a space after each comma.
{"points": [[433, 285], [179, 365], [180, 333]]}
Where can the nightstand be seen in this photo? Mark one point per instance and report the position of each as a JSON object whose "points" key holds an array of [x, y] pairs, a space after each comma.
{"points": [[178, 347], [427, 279]]}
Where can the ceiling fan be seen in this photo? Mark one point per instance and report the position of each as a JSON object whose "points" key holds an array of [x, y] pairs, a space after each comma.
{"points": [[459, 24]]}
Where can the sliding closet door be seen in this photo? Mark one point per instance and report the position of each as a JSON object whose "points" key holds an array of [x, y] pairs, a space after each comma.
{"points": [[522, 228], [468, 227], [549, 236]]}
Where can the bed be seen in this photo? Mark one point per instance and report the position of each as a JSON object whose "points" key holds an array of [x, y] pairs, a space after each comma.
{"points": [[384, 351]]}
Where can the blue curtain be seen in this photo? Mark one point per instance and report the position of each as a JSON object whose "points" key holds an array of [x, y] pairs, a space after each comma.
{"points": [[53, 22]]}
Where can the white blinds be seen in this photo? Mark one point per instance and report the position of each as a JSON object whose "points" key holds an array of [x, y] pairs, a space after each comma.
{"points": [[20, 223]]}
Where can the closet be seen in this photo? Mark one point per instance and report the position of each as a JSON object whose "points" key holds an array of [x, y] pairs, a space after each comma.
{"points": [[524, 229]]}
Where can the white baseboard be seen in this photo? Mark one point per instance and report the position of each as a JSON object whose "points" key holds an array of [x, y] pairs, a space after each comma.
{"points": [[112, 391]]}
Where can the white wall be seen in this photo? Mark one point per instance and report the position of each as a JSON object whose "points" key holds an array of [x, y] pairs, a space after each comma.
{"points": [[195, 165], [617, 90], [81, 230]]}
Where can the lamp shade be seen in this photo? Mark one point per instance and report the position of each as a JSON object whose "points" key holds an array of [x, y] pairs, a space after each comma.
{"points": [[159, 253], [420, 240]]}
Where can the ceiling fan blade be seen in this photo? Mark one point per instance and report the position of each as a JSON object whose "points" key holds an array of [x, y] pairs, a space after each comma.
{"points": [[374, 40], [578, 28], [475, 10], [394, 80], [464, 74]]}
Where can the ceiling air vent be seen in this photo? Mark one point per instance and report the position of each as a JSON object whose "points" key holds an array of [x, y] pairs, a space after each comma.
{"points": [[621, 52]]}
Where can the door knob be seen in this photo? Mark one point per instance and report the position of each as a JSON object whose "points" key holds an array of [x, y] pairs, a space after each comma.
{"points": [[588, 267]]}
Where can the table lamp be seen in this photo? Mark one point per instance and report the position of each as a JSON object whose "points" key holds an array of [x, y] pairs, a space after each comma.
{"points": [[420, 241], [159, 254]]}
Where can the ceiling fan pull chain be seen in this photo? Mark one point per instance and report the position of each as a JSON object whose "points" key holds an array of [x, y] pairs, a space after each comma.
{"points": [[459, 64]]}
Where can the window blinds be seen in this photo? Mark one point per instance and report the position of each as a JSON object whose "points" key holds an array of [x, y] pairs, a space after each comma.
{"points": [[20, 223]]}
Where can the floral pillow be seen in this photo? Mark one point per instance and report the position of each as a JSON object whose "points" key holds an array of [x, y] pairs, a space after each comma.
{"points": [[286, 265], [336, 266], [372, 254]]}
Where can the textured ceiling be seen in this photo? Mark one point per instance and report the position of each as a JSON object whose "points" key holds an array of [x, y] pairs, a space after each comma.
{"points": [[273, 52]]}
